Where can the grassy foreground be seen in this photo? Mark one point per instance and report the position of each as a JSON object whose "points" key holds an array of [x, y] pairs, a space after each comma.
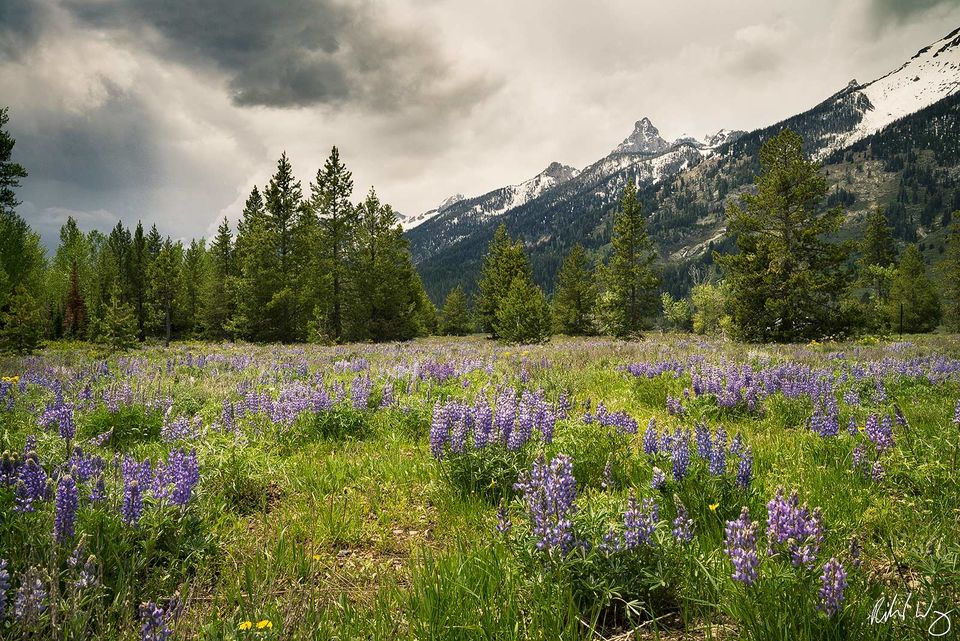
{"points": [[459, 489]]}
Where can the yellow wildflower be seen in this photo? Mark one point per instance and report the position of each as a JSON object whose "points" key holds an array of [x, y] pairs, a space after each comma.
{"points": [[264, 624], [246, 625], [317, 557], [714, 506]]}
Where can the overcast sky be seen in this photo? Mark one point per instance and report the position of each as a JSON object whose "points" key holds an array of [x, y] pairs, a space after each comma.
{"points": [[171, 111]]}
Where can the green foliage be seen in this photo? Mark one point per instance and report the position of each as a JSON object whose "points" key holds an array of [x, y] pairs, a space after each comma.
{"points": [[575, 295], [218, 279], [523, 315], [950, 278], [913, 297], [504, 263], [678, 314], [787, 280], [118, 327], [455, 316], [711, 308], [630, 277], [21, 326]]}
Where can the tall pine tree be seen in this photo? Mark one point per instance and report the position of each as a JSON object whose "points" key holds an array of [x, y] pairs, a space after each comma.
{"points": [[787, 280], [950, 275], [630, 277], [575, 295], [914, 305], [218, 296], [504, 262]]}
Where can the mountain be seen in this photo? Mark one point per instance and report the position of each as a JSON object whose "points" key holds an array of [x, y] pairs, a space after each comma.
{"points": [[409, 222], [685, 185]]}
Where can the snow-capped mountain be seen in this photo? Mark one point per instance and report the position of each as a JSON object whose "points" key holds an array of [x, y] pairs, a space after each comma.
{"points": [[494, 203], [685, 184], [645, 139], [928, 77]]}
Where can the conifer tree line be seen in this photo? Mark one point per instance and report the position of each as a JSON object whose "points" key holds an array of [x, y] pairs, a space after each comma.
{"points": [[301, 266], [308, 264]]}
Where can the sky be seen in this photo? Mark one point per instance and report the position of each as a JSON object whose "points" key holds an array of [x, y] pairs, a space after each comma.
{"points": [[170, 111]]}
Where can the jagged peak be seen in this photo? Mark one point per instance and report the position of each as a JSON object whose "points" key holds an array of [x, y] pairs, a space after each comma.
{"points": [[645, 139]]}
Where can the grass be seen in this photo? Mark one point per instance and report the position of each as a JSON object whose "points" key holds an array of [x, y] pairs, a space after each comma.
{"points": [[340, 524]]}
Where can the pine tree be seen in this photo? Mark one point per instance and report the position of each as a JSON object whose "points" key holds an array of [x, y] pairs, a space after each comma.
{"points": [[950, 277], [218, 282], [338, 219], [878, 256], [282, 200], [21, 326], [257, 268], [163, 282], [118, 329], [191, 287], [455, 317], [75, 309], [575, 295], [630, 277], [913, 297], [505, 261], [523, 315], [10, 172], [787, 280], [139, 260]]}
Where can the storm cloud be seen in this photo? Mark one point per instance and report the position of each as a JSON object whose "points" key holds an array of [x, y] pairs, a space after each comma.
{"points": [[170, 111]]}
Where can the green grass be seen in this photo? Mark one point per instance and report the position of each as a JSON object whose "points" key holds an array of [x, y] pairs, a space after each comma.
{"points": [[342, 525]]}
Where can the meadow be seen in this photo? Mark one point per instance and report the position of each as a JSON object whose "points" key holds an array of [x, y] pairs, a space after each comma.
{"points": [[674, 487]]}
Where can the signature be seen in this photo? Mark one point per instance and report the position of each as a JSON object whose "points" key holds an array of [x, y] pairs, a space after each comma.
{"points": [[885, 609]]}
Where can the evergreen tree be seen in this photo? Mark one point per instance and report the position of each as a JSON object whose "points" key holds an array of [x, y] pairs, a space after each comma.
{"points": [[878, 256], [257, 267], [75, 309], [913, 297], [455, 317], [575, 295], [523, 315], [505, 261], [22, 261], [338, 219], [139, 260], [163, 285], [950, 274], [118, 329], [21, 326], [787, 280], [218, 282], [282, 200], [191, 287]]}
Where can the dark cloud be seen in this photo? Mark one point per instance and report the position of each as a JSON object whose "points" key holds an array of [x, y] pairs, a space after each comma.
{"points": [[293, 53], [886, 11], [21, 22]]}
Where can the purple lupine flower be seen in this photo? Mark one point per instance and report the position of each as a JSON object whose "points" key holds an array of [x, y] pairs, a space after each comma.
{"points": [[833, 583], [9, 468], [132, 508], [549, 491], [680, 456], [855, 551], [87, 576], [793, 528], [745, 469], [31, 484], [718, 453], [607, 481], [736, 445], [640, 523], [740, 544], [156, 623], [183, 471], [674, 408], [31, 599], [101, 439], [439, 430], [360, 391], [703, 441], [859, 457], [65, 517], [386, 395], [612, 542], [852, 428], [880, 432], [98, 491], [504, 524], [956, 414], [482, 423], [658, 479], [4, 588], [651, 443], [682, 523], [851, 397], [877, 472]]}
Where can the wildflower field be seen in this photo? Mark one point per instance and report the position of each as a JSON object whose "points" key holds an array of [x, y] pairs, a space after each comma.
{"points": [[454, 488]]}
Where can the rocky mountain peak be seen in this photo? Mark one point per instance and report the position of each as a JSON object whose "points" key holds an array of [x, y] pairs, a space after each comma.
{"points": [[645, 139]]}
